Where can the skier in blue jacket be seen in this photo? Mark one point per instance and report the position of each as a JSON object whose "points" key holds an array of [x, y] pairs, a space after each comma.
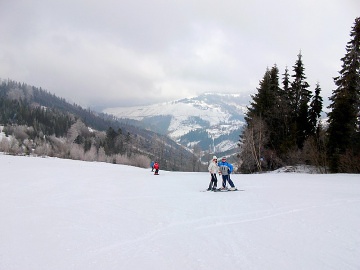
{"points": [[225, 169]]}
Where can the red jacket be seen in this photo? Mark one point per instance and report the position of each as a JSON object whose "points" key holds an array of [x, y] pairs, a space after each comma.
{"points": [[156, 166]]}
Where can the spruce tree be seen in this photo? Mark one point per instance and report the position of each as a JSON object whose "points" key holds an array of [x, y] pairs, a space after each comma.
{"points": [[343, 131], [299, 101], [264, 109], [274, 117], [287, 137], [286, 82], [261, 100], [252, 139], [315, 109]]}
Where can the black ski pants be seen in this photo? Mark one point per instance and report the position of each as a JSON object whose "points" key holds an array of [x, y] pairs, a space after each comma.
{"points": [[213, 181]]}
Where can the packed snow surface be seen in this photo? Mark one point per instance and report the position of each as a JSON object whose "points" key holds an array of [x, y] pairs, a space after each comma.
{"points": [[63, 214]]}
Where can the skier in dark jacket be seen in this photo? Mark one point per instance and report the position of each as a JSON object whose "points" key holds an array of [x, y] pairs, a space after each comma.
{"points": [[225, 169]]}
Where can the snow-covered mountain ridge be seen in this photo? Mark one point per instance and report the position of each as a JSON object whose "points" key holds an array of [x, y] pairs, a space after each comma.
{"points": [[199, 120]]}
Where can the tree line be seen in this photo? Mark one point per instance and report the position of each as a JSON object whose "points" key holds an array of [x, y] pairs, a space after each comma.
{"points": [[283, 122]]}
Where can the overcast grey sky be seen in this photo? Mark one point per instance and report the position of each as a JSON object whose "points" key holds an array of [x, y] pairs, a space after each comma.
{"points": [[114, 52]]}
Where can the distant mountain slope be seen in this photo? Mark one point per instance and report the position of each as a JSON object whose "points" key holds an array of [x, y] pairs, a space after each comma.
{"points": [[211, 121]]}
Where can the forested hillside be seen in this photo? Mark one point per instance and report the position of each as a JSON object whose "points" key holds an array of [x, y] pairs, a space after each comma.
{"points": [[37, 122]]}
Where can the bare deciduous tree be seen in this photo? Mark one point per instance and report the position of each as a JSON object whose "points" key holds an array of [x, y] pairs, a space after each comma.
{"points": [[314, 152], [76, 152], [5, 145], [91, 155], [101, 155], [43, 149], [349, 162], [78, 128], [253, 141], [20, 133]]}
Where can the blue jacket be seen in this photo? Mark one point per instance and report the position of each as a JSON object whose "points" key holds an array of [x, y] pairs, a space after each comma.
{"points": [[225, 168]]}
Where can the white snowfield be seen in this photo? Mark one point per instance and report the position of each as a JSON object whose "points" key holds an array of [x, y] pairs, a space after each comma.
{"points": [[63, 214]]}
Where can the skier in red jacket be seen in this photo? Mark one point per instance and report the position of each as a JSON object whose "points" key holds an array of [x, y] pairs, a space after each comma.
{"points": [[156, 167]]}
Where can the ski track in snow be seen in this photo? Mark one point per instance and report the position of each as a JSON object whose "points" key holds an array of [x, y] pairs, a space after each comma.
{"points": [[266, 214], [63, 214]]}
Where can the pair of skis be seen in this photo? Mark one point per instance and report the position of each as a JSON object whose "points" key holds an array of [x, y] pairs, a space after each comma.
{"points": [[222, 190], [225, 190]]}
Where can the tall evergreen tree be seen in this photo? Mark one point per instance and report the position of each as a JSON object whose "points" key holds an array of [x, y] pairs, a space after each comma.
{"points": [[343, 131], [251, 137], [287, 137], [265, 109], [274, 118], [315, 109], [286, 81], [299, 101], [262, 100]]}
